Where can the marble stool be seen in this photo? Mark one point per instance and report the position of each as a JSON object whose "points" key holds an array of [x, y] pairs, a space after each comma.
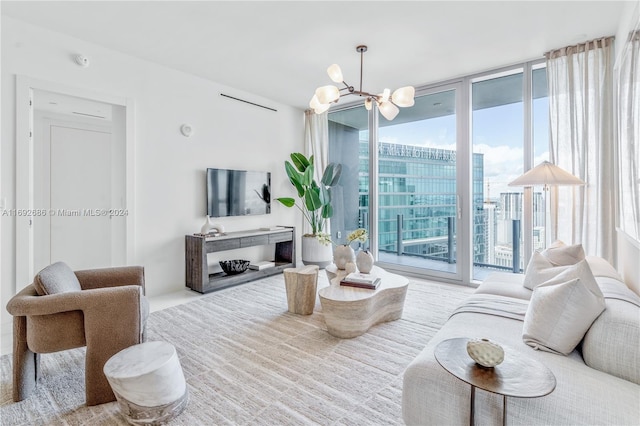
{"points": [[301, 284], [148, 382]]}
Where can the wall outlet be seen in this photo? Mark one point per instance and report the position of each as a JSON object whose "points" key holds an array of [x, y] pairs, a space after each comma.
{"points": [[338, 234]]}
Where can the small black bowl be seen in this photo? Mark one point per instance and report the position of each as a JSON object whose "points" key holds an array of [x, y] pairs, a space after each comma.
{"points": [[233, 267]]}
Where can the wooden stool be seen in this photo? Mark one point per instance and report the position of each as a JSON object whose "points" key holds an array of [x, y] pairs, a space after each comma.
{"points": [[301, 284]]}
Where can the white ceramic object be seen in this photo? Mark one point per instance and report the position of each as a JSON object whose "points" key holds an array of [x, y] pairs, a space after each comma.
{"points": [[485, 352], [207, 227], [315, 253], [343, 254], [364, 261], [148, 382], [350, 267]]}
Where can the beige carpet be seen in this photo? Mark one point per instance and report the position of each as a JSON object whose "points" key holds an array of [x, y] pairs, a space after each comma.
{"points": [[248, 361]]}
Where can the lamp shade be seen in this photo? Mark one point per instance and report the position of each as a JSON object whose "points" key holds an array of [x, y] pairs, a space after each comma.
{"points": [[384, 96], [388, 110], [547, 174], [367, 104], [403, 97], [335, 73], [327, 94], [317, 107]]}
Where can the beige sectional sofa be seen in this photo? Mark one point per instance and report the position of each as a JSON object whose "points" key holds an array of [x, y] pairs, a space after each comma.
{"points": [[597, 383]]}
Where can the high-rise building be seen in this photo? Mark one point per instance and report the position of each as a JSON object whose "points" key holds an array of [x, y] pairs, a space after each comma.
{"points": [[417, 187]]}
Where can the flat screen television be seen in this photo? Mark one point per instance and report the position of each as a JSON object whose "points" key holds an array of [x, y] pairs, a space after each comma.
{"points": [[238, 192]]}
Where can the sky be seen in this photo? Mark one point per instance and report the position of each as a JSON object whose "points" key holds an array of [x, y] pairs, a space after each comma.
{"points": [[497, 132]]}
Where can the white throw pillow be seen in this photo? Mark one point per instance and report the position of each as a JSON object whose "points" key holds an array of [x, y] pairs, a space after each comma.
{"points": [[560, 254], [539, 270], [562, 309]]}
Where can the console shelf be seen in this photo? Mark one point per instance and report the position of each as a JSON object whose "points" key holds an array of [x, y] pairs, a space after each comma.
{"points": [[197, 247]]}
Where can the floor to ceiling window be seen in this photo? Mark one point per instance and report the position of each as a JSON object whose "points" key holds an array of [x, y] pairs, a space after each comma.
{"points": [[419, 222]]}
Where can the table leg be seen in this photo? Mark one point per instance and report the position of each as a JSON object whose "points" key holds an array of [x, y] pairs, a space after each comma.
{"points": [[472, 406], [504, 410]]}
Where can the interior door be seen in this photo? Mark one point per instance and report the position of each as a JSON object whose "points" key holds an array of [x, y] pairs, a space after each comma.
{"points": [[80, 196]]}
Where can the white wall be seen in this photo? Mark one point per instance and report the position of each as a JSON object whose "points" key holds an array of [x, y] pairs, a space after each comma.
{"points": [[169, 168]]}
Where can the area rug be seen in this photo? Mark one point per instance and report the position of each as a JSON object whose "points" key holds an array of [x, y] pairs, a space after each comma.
{"points": [[248, 361]]}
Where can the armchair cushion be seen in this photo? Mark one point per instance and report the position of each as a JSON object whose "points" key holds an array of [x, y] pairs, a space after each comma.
{"points": [[56, 278]]}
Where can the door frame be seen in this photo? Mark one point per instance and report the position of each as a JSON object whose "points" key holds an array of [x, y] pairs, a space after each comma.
{"points": [[24, 243], [464, 200]]}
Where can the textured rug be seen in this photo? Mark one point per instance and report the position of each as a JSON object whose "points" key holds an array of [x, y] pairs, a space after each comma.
{"points": [[248, 361]]}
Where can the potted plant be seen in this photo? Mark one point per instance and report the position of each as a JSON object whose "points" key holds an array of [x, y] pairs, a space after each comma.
{"points": [[315, 205]]}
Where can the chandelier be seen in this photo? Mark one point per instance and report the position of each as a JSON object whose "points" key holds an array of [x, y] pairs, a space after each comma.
{"points": [[386, 102]]}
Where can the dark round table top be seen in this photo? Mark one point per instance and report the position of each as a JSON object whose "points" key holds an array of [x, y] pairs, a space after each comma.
{"points": [[518, 375]]}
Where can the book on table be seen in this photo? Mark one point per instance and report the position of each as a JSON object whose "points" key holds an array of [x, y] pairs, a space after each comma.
{"points": [[359, 277], [360, 280]]}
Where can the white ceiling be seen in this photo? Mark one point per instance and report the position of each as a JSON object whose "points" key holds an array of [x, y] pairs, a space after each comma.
{"points": [[280, 50]]}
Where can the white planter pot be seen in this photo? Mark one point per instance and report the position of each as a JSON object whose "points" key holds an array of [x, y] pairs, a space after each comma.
{"points": [[315, 253]]}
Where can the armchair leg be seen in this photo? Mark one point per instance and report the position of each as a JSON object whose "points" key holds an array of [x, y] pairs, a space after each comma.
{"points": [[97, 387], [26, 364]]}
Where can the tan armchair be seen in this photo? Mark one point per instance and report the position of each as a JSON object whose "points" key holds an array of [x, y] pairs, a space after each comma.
{"points": [[102, 309]]}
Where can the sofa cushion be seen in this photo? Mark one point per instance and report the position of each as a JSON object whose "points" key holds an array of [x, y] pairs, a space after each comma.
{"points": [[539, 270], [56, 278], [560, 254], [612, 342], [562, 309]]}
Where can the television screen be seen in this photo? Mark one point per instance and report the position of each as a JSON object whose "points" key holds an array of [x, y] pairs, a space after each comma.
{"points": [[238, 192]]}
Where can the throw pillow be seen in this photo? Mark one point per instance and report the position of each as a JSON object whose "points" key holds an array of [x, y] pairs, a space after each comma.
{"points": [[560, 254], [539, 270], [56, 278], [562, 309]]}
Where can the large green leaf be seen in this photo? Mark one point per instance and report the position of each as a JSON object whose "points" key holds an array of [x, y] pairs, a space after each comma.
{"points": [[331, 174], [295, 178], [300, 161], [312, 200], [327, 211], [325, 196], [307, 179], [288, 202]]}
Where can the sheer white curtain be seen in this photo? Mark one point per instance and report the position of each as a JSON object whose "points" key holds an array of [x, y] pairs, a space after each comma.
{"points": [[580, 80], [316, 142], [629, 136]]}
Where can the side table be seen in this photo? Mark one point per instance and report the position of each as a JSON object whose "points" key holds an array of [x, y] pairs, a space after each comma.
{"points": [[517, 376]]}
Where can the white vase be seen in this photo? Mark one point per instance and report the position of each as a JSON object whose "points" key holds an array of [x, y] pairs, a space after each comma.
{"points": [[315, 253], [364, 261], [343, 254], [485, 352], [207, 227]]}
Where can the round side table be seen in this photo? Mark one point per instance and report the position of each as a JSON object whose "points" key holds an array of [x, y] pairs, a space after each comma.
{"points": [[517, 376], [148, 382]]}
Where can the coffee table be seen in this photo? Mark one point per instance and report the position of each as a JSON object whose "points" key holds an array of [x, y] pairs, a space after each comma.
{"points": [[517, 376], [350, 311]]}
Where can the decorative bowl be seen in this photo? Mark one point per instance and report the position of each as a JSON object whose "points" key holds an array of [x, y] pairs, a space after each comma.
{"points": [[485, 352], [236, 266]]}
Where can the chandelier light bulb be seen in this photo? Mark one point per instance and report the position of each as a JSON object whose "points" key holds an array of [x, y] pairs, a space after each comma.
{"points": [[384, 96], [388, 110], [335, 73], [367, 104], [317, 107], [404, 96], [327, 94]]}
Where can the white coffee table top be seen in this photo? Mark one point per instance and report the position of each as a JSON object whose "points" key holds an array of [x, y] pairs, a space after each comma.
{"points": [[339, 292]]}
